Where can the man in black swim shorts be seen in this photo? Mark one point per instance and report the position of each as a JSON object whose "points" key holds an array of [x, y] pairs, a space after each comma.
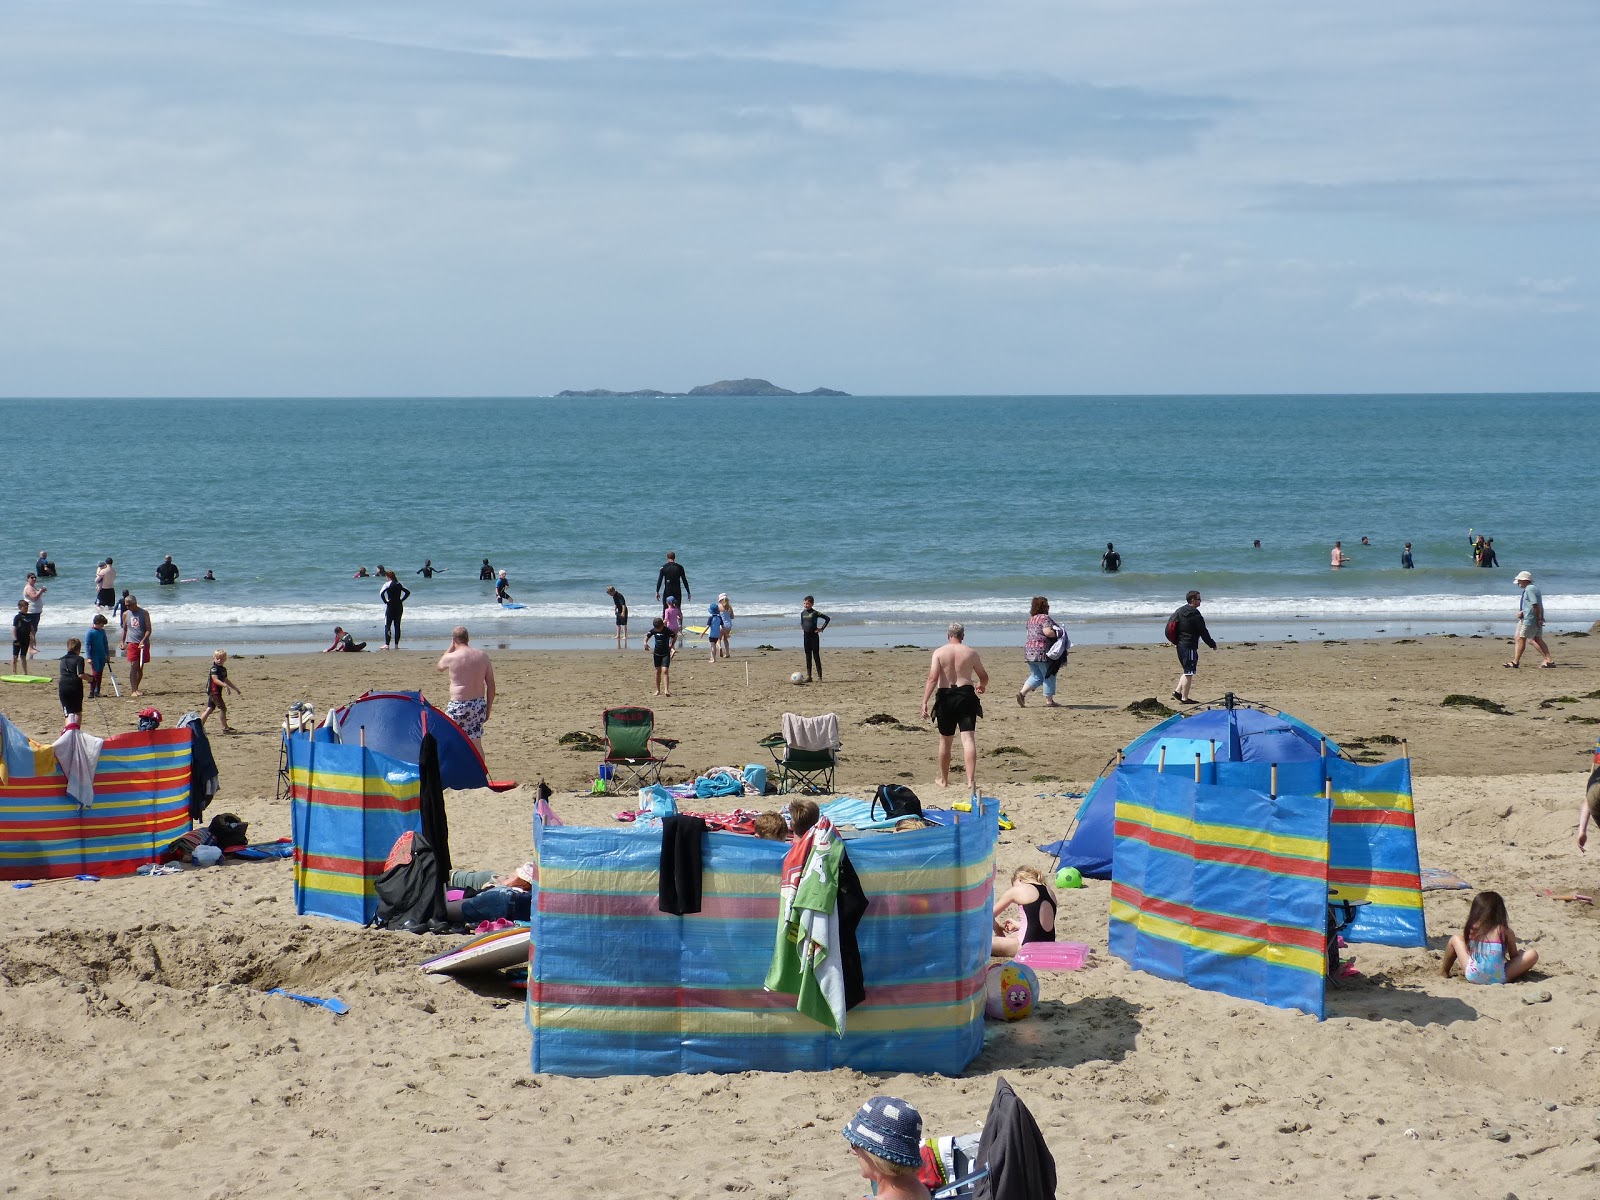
{"points": [[956, 678]]}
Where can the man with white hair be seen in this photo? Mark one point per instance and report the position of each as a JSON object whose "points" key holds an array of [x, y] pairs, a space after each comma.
{"points": [[1530, 622], [471, 685]]}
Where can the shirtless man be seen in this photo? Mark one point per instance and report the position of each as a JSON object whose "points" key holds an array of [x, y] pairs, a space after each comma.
{"points": [[471, 685], [957, 674]]}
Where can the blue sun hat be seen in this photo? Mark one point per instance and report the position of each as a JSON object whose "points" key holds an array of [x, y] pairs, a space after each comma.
{"points": [[888, 1127]]}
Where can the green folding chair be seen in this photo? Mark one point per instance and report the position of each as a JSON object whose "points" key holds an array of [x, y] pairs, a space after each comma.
{"points": [[628, 739], [804, 770]]}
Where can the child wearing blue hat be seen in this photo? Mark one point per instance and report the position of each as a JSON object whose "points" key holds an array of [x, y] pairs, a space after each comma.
{"points": [[885, 1135]]}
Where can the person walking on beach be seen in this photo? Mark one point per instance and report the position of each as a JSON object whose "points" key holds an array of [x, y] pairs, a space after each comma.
{"points": [[471, 685], [672, 580], [394, 595], [1340, 558], [1110, 561], [725, 607], [714, 629], [135, 641], [105, 584], [812, 623], [427, 570], [672, 617], [659, 642], [1530, 622], [98, 652], [69, 687], [1041, 635], [619, 604], [217, 682], [1190, 630], [1405, 558], [956, 678]]}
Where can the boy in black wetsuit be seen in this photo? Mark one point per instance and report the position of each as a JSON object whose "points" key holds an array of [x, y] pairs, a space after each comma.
{"points": [[659, 642], [812, 623], [69, 689], [216, 682]]}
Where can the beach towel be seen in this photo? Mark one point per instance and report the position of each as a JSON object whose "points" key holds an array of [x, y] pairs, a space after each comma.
{"points": [[78, 754], [1437, 879], [718, 784], [204, 781], [805, 960], [849, 812], [20, 756], [811, 733], [681, 863]]}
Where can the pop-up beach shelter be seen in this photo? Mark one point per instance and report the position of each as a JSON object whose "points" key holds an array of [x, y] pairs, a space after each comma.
{"points": [[393, 724], [141, 803], [617, 987], [1223, 873], [1232, 732]]}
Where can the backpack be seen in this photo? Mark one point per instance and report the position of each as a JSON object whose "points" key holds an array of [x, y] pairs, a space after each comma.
{"points": [[897, 800], [228, 831], [1172, 628]]}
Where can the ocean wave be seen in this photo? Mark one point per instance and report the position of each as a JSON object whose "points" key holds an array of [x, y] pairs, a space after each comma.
{"points": [[866, 611]]}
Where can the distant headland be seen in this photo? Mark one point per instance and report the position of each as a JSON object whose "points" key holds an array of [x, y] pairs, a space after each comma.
{"points": [[722, 387]]}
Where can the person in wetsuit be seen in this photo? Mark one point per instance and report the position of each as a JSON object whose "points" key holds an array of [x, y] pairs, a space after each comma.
{"points": [[485, 572], [69, 688], [1111, 561], [394, 596], [1029, 893], [672, 580], [812, 623], [502, 589], [427, 570], [167, 572]]}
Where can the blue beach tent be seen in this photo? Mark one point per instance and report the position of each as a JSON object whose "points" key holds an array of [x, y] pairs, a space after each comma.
{"points": [[394, 723], [1233, 732]]}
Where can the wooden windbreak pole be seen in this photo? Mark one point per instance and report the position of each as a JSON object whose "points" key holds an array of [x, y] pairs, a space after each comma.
{"points": [[1197, 766], [1161, 763], [1274, 792]]}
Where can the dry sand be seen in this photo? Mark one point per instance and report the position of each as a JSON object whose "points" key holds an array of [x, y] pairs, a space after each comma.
{"points": [[140, 1053]]}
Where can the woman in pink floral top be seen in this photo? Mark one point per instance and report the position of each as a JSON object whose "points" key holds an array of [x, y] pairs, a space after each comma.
{"points": [[1042, 631]]}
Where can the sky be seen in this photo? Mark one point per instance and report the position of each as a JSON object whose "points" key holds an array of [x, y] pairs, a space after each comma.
{"points": [[896, 197]]}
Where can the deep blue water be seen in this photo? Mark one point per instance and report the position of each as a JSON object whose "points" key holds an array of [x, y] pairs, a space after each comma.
{"points": [[898, 513]]}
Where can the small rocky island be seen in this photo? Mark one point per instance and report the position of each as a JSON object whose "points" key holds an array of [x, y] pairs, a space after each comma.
{"points": [[723, 387]]}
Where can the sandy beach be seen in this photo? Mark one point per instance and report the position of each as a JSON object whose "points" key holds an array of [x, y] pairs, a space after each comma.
{"points": [[141, 1053]]}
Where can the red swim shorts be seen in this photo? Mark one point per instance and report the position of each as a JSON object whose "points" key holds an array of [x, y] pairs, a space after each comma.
{"points": [[139, 652]]}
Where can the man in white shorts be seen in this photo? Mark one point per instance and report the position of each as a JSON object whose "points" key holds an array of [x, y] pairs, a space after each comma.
{"points": [[471, 685]]}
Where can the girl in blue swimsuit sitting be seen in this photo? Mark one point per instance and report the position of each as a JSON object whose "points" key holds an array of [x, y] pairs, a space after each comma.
{"points": [[1486, 947]]}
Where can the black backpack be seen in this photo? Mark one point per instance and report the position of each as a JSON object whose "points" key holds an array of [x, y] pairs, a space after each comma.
{"points": [[897, 800], [228, 831]]}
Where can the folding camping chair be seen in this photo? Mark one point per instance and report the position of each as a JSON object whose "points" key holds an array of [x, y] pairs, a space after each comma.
{"points": [[806, 752], [628, 736]]}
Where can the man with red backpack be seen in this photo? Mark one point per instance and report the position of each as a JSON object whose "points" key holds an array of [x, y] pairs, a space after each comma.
{"points": [[1186, 629]]}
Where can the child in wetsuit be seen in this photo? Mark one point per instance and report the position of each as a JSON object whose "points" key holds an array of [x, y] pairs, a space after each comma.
{"points": [[69, 689], [21, 638], [1029, 893], [99, 653], [1486, 948]]}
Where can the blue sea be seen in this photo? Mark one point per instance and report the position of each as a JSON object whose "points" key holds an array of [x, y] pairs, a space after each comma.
{"points": [[898, 513]]}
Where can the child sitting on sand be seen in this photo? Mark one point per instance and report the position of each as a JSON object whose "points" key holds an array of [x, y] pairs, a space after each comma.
{"points": [[1029, 893], [1486, 947]]}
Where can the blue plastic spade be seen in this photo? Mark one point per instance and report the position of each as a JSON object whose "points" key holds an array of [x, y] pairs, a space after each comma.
{"points": [[332, 1003], [38, 882]]}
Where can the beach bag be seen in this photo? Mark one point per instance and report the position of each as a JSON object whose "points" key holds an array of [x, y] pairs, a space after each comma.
{"points": [[1172, 628], [1058, 648], [897, 801], [411, 893], [228, 831]]}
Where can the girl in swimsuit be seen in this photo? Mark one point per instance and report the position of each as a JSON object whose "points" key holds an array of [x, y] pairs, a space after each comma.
{"points": [[1486, 948], [1029, 893]]}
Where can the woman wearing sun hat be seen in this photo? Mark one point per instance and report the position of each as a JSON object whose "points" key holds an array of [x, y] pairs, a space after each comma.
{"points": [[885, 1135]]}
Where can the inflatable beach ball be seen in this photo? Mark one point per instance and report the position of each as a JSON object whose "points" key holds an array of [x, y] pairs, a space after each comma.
{"points": [[1010, 991]]}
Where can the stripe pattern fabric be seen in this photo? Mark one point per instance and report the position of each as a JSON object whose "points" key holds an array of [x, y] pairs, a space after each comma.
{"points": [[141, 804], [1372, 852], [348, 807], [1222, 886], [617, 987]]}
